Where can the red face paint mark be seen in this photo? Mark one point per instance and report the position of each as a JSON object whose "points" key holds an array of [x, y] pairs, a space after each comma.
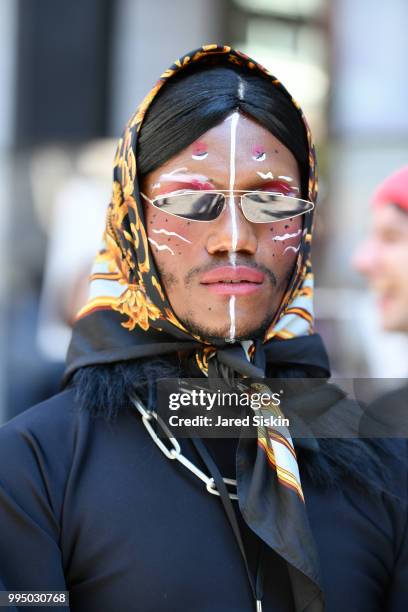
{"points": [[201, 186], [187, 184], [280, 187], [199, 150], [258, 153], [199, 147]]}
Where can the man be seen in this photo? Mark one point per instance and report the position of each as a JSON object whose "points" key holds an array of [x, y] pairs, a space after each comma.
{"points": [[383, 258], [204, 272]]}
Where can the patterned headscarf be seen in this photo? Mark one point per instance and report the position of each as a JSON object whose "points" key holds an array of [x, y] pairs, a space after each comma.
{"points": [[128, 315]]}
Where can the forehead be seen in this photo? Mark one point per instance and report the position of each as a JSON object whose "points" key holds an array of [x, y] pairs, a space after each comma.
{"points": [[247, 128], [251, 145]]}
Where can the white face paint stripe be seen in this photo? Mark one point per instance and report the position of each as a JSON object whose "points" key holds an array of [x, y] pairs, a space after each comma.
{"points": [[175, 171], [291, 248], [286, 178], [231, 202], [287, 236], [241, 88], [233, 212], [163, 231], [232, 318], [161, 247]]}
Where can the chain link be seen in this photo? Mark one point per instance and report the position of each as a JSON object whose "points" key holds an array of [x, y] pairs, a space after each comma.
{"points": [[174, 452]]}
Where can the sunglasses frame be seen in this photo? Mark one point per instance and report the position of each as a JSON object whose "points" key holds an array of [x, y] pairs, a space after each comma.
{"points": [[225, 192]]}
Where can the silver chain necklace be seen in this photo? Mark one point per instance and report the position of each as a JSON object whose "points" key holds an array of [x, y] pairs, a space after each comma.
{"points": [[175, 452]]}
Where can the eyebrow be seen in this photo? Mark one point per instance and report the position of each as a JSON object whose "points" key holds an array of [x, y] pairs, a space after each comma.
{"points": [[192, 183], [200, 182], [199, 146], [278, 181]]}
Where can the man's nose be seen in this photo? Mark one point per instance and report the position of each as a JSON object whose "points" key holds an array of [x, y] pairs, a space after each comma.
{"points": [[231, 232]]}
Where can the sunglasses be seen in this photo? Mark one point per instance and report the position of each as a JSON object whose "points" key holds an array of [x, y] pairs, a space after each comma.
{"points": [[256, 206]]}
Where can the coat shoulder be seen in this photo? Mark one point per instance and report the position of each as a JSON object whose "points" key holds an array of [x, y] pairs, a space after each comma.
{"points": [[36, 451]]}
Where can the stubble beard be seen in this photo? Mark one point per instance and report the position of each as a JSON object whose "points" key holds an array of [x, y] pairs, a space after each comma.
{"points": [[212, 334]]}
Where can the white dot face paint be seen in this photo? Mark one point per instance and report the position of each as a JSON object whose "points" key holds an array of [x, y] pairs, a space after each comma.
{"points": [[164, 231], [161, 247]]}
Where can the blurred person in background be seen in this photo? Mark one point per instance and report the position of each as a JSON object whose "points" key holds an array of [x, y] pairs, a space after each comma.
{"points": [[383, 259], [205, 272], [44, 309]]}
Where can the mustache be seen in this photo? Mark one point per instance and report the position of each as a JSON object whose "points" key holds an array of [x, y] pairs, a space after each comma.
{"points": [[193, 272]]}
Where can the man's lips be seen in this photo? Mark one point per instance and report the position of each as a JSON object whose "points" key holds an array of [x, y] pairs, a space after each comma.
{"points": [[239, 274], [233, 280]]}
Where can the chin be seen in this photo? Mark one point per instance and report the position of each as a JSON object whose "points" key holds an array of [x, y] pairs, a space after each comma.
{"points": [[223, 332]]}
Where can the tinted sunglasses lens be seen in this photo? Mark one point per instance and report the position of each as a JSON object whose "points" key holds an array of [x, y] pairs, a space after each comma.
{"points": [[196, 206], [261, 207]]}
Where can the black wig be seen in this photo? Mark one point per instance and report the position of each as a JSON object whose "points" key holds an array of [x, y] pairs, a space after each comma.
{"points": [[196, 100]]}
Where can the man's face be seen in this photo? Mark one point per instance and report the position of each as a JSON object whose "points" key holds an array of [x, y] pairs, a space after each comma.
{"points": [[383, 258], [195, 259]]}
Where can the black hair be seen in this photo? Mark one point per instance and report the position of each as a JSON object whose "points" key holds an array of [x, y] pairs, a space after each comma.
{"points": [[200, 97]]}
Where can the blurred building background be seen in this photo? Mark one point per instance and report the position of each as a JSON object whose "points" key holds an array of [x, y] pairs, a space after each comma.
{"points": [[71, 73]]}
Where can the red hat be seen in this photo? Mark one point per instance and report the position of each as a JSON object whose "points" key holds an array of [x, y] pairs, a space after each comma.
{"points": [[394, 190]]}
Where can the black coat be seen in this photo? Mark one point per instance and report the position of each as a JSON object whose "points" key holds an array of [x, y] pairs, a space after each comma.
{"points": [[96, 509]]}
